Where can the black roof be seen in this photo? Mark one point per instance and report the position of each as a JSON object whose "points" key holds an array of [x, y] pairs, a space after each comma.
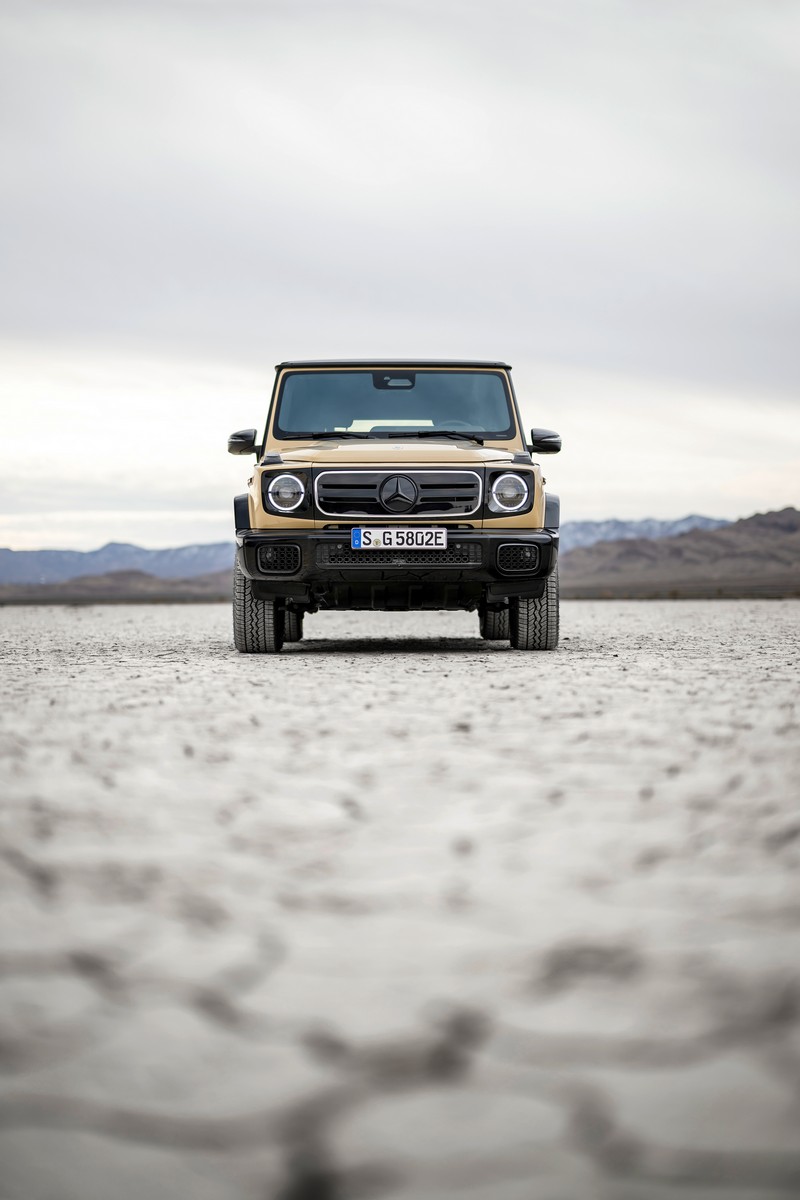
{"points": [[384, 363]]}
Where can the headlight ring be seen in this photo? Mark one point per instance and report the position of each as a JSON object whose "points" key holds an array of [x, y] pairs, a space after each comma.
{"points": [[509, 493], [286, 493]]}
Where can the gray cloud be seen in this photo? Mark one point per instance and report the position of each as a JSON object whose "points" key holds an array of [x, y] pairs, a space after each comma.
{"points": [[603, 192], [608, 185]]}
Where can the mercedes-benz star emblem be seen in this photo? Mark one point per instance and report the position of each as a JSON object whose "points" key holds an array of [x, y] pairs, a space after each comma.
{"points": [[398, 494]]}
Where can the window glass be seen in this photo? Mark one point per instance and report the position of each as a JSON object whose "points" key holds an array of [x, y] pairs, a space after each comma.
{"points": [[380, 402]]}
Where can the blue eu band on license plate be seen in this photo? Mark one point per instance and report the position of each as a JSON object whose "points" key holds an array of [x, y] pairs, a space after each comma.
{"points": [[393, 538]]}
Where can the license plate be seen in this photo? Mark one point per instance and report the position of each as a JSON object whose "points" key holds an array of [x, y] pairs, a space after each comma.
{"points": [[394, 538]]}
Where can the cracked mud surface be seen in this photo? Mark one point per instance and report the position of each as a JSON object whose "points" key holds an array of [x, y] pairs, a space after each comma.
{"points": [[399, 913]]}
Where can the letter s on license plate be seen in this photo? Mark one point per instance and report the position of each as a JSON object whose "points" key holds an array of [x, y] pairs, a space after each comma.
{"points": [[393, 538]]}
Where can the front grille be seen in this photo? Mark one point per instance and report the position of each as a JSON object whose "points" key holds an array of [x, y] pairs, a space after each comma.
{"points": [[339, 554], [518, 558], [357, 493], [281, 559]]}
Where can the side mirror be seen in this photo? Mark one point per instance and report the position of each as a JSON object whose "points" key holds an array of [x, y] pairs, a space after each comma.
{"points": [[243, 442], [544, 441]]}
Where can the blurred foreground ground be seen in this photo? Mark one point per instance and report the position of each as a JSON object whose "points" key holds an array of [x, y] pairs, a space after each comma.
{"points": [[400, 913]]}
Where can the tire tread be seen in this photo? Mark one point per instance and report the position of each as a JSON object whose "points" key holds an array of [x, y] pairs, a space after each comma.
{"points": [[258, 625], [293, 626], [494, 626], [534, 621]]}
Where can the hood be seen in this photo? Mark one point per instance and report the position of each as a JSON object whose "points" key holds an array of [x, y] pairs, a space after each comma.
{"points": [[402, 453]]}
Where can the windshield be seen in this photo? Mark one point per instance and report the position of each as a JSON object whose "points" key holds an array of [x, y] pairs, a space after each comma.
{"points": [[383, 403]]}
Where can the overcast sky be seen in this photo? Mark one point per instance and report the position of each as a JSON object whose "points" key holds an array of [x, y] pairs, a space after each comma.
{"points": [[603, 192]]}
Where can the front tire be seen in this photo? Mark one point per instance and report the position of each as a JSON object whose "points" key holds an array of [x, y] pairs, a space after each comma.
{"points": [[534, 620], [258, 625], [494, 626]]}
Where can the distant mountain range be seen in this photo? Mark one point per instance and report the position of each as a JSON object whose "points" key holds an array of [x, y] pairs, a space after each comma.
{"points": [[56, 566], [758, 556], [575, 534], [121, 587], [188, 562]]}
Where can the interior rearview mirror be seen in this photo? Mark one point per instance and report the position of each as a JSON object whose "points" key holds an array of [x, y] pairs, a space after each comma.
{"points": [[243, 441], [544, 441]]}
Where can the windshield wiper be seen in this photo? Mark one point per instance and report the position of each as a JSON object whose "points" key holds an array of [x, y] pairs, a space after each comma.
{"points": [[325, 434], [376, 437], [451, 433]]}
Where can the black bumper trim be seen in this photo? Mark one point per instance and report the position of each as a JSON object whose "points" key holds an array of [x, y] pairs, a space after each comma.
{"points": [[484, 572]]}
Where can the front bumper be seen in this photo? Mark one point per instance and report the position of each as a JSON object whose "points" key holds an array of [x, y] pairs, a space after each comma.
{"points": [[493, 563]]}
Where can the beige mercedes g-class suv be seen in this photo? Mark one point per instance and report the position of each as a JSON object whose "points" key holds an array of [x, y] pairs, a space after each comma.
{"points": [[395, 484]]}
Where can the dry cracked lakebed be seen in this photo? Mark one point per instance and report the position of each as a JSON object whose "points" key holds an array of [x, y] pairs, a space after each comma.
{"points": [[400, 913]]}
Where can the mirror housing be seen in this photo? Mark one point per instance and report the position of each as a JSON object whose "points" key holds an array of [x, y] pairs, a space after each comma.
{"points": [[243, 442], [544, 441]]}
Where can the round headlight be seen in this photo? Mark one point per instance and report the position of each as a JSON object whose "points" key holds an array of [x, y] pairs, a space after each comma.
{"points": [[508, 493], [286, 492]]}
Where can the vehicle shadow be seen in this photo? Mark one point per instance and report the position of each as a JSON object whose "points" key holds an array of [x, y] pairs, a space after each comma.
{"points": [[405, 645]]}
